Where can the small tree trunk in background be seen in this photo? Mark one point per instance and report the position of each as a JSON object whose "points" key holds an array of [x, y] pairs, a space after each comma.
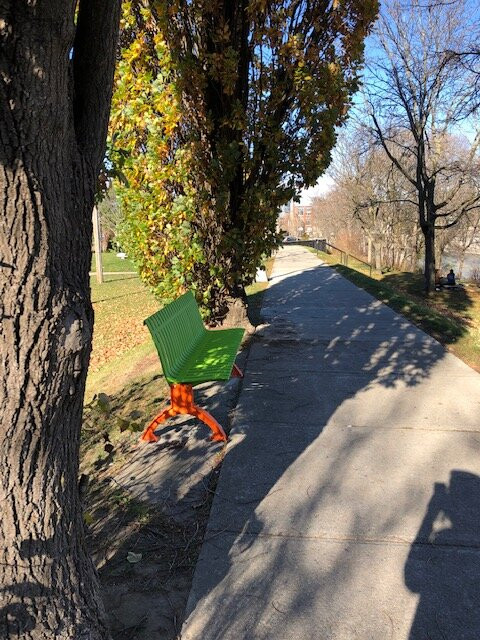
{"points": [[97, 241], [53, 119], [461, 263], [237, 315], [378, 257], [235, 312]]}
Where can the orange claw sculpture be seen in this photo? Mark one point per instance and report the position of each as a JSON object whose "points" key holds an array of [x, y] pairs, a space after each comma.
{"points": [[181, 398]]}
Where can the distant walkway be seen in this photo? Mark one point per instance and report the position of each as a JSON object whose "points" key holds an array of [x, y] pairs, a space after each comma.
{"points": [[348, 506]]}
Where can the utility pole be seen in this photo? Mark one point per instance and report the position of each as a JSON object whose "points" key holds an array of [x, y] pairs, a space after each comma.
{"points": [[97, 245]]}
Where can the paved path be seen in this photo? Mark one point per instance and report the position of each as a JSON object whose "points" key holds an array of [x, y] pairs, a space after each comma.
{"points": [[348, 506]]}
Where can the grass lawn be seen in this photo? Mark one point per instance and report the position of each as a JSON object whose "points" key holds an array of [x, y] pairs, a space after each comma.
{"points": [[120, 341], [110, 262], [452, 317]]}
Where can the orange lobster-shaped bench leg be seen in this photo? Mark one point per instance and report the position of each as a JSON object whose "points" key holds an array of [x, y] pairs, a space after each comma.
{"points": [[236, 372], [181, 396]]}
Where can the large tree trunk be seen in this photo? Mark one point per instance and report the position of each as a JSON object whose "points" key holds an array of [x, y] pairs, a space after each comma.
{"points": [[429, 270], [54, 102]]}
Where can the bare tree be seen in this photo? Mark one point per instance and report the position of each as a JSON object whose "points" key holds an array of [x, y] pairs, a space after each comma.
{"points": [[468, 55], [417, 93], [56, 73], [111, 216], [378, 197], [329, 215]]}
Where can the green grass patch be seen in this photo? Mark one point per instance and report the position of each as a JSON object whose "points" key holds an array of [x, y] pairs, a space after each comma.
{"points": [[114, 374], [451, 317], [120, 304], [110, 262]]}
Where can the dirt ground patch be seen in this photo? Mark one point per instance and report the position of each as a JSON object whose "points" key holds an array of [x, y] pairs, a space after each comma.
{"points": [[145, 559], [146, 506]]}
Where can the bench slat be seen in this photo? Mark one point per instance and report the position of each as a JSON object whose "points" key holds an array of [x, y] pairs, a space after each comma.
{"points": [[212, 358], [188, 352], [175, 330]]}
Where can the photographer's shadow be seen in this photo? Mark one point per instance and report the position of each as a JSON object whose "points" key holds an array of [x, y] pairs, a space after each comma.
{"points": [[443, 565]]}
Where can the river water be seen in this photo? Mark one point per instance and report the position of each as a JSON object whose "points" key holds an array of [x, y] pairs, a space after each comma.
{"points": [[472, 261]]}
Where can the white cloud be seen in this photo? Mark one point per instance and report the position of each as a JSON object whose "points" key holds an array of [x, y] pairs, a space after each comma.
{"points": [[323, 186]]}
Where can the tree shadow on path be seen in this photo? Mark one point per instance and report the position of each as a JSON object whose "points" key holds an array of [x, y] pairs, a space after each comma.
{"points": [[314, 482]]}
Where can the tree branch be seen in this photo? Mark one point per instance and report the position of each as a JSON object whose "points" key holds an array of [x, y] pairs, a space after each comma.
{"points": [[390, 155]]}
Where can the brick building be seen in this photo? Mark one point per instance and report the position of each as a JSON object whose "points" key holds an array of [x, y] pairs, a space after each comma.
{"points": [[296, 219]]}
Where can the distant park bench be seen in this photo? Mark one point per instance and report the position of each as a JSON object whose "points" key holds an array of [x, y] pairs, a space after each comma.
{"points": [[448, 283], [190, 355], [450, 287]]}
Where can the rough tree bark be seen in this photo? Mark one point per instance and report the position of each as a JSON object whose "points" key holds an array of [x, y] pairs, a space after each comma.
{"points": [[428, 230], [55, 90]]}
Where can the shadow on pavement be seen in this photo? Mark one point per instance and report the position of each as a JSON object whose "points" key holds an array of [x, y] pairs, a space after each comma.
{"points": [[447, 583], [326, 383]]}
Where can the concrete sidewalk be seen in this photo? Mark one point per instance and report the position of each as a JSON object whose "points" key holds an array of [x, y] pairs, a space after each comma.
{"points": [[348, 506]]}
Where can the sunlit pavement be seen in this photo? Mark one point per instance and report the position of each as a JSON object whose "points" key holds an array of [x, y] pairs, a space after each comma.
{"points": [[348, 504]]}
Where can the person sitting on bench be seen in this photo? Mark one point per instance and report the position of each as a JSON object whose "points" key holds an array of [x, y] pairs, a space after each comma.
{"points": [[451, 278]]}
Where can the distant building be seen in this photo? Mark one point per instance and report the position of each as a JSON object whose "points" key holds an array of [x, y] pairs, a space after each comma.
{"points": [[296, 219]]}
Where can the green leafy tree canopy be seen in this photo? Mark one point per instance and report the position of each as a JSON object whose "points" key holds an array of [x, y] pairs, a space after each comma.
{"points": [[222, 112]]}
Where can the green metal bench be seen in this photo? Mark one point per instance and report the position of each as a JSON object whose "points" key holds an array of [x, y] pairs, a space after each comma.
{"points": [[190, 354]]}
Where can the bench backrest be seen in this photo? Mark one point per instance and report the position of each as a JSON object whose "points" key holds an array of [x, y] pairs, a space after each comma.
{"points": [[175, 330]]}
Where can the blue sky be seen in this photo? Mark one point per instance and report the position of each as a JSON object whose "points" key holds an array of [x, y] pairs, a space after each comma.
{"points": [[467, 128]]}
